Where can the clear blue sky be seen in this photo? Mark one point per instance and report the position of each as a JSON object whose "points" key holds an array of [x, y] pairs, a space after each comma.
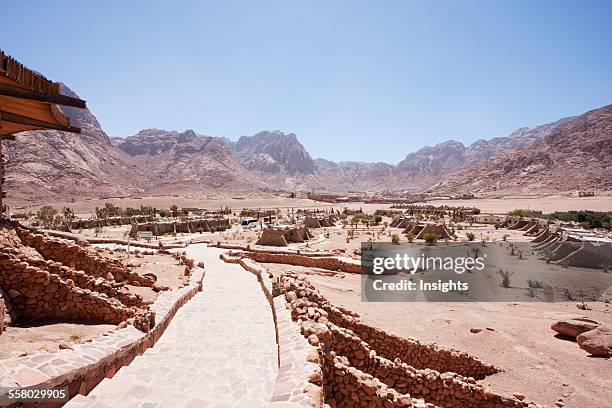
{"points": [[354, 80]]}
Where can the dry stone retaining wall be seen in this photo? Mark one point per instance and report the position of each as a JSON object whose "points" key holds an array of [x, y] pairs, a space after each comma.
{"points": [[364, 365], [329, 263], [79, 257], [84, 366]]}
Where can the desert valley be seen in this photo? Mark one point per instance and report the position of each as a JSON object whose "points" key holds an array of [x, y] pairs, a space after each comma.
{"points": [[171, 268]]}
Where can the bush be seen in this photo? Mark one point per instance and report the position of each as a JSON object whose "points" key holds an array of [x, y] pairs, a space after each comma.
{"points": [[409, 237], [431, 239], [395, 239], [505, 275], [470, 236], [537, 284], [520, 213]]}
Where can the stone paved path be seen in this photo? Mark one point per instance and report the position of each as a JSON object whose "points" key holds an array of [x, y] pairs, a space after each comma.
{"points": [[218, 351]]}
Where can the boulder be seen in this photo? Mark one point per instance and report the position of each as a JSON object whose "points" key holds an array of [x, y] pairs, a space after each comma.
{"points": [[597, 342], [573, 327]]}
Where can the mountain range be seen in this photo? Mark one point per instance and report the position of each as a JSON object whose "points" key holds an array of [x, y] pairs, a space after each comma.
{"points": [[42, 166]]}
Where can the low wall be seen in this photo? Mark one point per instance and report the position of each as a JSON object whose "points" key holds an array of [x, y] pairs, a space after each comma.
{"points": [[250, 248], [348, 387], [84, 366], [95, 240], [359, 358], [79, 257], [328, 263], [444, 389]]}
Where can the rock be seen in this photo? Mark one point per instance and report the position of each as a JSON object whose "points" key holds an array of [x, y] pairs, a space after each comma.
{"points": [[573, 327], [313, 339], [519, 396], [64, 346], [597, 342], [13, 293], [369, 386], [475, 330]]}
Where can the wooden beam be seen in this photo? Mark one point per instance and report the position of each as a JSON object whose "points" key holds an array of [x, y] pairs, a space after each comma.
{"points": [[55, 99], [24, 120]]}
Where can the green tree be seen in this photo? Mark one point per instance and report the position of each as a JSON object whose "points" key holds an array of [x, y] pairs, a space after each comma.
{"points": [[430, 239], [47, 215]]}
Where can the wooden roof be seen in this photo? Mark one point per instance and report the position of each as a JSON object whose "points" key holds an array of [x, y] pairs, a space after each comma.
{"points": [[29, 101]]}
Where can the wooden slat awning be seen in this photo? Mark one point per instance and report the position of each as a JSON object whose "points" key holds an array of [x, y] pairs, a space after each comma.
{"points": [[29, 101]]}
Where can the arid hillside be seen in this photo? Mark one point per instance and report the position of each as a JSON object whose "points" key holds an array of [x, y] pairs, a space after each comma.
{"points": [[575, 155], [569, 154], [53, 164]]}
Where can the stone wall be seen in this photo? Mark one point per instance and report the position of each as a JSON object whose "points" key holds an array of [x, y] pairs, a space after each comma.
{"points": [[36, 294], [365, 366], [84, 366], [50, 279], [329, 263], [186, 226], [80, 257]]}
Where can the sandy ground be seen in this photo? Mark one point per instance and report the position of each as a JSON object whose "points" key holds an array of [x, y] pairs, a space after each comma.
{"points": [[547, 204], [169, 272], [16, 341], [535, 362]]}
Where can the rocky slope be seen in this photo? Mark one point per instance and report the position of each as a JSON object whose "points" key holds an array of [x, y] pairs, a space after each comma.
{"points": [[575, 155], [44, 165], [51, 166], [185, 161], [430, 165]]}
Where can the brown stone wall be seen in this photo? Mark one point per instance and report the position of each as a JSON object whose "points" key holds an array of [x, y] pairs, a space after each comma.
{"points": [[361, 361], [80, 257], [329, 263], [36, 294]]}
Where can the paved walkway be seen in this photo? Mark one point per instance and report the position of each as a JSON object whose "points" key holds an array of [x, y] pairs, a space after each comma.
{"points": [[218, 351]]}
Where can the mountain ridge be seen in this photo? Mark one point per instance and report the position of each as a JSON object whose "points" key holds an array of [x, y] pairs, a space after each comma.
{"points": [[156, 161]]}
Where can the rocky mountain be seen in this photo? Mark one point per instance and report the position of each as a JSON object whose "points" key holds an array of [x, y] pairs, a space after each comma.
{"points": [[274, 152], [574, 155], [429, 165], [43, 165], [46, 166], [182, 161], [354, 176]]}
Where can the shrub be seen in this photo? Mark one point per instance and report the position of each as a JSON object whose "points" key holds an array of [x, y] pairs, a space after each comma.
{"points": [[505, 275], [431, 239], [531, 291], [537, 284], [395, 239], [470, 236], [409, 237], [520, 213], [547, 255]]}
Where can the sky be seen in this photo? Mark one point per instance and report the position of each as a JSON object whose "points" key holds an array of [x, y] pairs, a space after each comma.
{"points": [[354, 80]]}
